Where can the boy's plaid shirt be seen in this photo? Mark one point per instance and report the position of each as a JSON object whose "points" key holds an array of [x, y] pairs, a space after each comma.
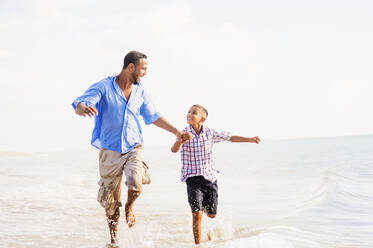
{"points": [[196, 154]]}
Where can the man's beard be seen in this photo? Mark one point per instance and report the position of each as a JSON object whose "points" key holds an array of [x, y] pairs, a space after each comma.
{"points": [[134, 78]]}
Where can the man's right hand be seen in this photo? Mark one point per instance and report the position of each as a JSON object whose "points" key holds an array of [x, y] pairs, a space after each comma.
{"points": [[83, 110]]}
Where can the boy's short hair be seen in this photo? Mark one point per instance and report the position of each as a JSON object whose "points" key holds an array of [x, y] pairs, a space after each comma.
{"points": [[201, 108], [133, 57]]}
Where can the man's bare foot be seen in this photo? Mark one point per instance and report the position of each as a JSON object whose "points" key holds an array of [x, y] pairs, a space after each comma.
{"points": [[130, 217]]}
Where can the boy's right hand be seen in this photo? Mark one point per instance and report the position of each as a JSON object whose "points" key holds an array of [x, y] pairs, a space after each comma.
{"points": [[185, 136], [255, 139]]}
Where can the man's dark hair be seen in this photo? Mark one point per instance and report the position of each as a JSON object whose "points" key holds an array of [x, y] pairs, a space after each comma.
{"points": [[133, 57]]}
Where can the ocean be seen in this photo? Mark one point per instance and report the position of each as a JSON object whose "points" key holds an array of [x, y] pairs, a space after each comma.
{"points": [[299, 193]]}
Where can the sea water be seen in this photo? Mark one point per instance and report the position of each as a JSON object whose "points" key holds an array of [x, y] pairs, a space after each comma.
{"points": [[279, 194]]}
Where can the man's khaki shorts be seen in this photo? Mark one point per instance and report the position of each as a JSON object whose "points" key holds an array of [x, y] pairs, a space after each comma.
{"points": [[112, 164]]}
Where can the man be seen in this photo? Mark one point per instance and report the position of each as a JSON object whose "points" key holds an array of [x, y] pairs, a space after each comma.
{"points": [[117, 103]]}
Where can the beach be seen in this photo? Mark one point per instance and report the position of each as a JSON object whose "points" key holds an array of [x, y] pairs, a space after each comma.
{"points": [[299, 193]]}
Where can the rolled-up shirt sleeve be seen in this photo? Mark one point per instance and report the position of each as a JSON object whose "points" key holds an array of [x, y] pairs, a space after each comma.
{"points": [[220, 136], [148, 111], [91, 97]]}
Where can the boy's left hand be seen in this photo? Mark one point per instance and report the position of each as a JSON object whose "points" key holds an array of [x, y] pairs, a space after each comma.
{"points": [[255, 139]]}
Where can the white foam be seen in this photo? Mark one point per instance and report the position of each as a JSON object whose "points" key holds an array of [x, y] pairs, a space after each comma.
{"points": [[217, 229], [262, 240]]}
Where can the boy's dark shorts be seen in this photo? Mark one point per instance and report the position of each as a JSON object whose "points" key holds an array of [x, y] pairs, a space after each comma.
{"points": [[202, 194]]}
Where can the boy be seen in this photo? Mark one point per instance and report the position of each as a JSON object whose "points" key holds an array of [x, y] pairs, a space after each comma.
{"points": [[198, 169]]}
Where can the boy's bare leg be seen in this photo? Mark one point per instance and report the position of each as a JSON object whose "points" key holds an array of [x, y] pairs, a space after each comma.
{"points": [[197, 218], [113, 222], [130, 217]]}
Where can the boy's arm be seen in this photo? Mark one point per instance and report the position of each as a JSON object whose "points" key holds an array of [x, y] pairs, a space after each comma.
{"points": [[176, 146], [184, 138], [255, 139]]}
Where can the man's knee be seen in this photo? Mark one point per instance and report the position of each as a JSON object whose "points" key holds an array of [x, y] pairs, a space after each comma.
{"points": [[134, 181], [109, 195]]}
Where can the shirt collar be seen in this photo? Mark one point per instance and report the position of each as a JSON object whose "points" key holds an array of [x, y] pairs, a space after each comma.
{"points": [[194, 132], [119, 91]]}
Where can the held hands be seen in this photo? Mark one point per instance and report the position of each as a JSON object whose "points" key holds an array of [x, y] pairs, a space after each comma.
{"points": [[84, 111], [185, 136], [182, 137]]}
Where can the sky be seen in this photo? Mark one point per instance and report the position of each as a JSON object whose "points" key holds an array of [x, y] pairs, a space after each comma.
{"points": [[273, 68]]}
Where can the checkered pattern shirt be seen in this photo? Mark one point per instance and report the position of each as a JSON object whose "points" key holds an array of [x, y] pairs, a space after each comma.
{"points": [[196, 154]]}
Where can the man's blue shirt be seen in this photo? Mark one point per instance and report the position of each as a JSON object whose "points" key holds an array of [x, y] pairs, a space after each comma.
{"points": [[117, 125]]}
